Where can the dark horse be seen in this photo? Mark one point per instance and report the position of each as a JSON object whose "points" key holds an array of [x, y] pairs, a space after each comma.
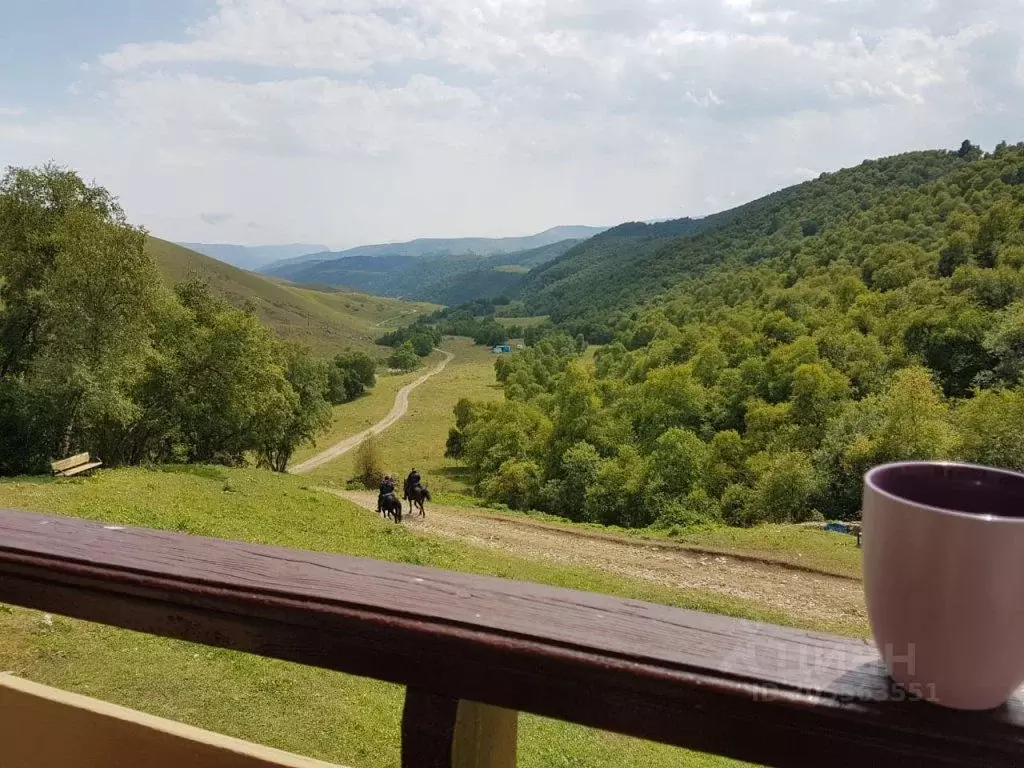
{"points": [[391, 507], [417, 495]]}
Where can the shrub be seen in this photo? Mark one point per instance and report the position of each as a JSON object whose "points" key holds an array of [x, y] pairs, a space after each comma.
{"points": [[369, 464], [404, 358], [455, 444], [517, 484]]}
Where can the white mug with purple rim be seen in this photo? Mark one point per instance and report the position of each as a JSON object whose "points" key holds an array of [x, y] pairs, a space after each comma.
{"points": [[944, 579]]}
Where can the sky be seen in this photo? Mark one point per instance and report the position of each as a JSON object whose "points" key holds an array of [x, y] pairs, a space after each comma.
{"points": [[356, 121]]}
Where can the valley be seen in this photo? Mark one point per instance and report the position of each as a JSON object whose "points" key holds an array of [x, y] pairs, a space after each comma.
{"points": [[697, 330], [327, 320], [679, 409]]}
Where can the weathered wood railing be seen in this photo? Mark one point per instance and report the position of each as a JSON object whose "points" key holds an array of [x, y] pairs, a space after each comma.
{"points": [[474, 650]]}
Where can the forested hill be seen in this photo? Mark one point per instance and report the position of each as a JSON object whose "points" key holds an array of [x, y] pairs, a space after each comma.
{"points": [[440, 278], [872, 315], [607, 276]]}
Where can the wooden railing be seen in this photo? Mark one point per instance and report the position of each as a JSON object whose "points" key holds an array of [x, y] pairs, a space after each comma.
{"points": [[473, 650]]}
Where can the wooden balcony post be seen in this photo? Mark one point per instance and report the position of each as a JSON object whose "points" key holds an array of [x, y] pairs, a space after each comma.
{"points": [[441, 732]]}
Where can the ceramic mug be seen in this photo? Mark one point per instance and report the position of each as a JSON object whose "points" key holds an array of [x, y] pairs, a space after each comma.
{"points": [[944, 579]]}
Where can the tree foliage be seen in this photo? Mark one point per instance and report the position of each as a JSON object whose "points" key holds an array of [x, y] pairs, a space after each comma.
{"points": [[95, 355], [758, 365], [349, 376]]}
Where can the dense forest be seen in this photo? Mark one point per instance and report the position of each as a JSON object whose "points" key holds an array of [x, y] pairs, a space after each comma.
{"points": [[97, 355], [759, 365], [601, 281]]}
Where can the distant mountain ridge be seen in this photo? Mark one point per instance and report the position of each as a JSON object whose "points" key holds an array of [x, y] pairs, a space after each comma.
{"points": [[435, 246], [328, 321], [437, 278], [253, 257]]}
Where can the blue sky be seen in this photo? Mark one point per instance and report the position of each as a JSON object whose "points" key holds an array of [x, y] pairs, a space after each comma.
{"points": [[44, 43], [350, 121]]}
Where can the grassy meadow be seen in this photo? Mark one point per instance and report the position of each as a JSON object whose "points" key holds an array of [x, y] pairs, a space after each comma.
{"points": [[353, 417], [418, 440], [328, 715]]}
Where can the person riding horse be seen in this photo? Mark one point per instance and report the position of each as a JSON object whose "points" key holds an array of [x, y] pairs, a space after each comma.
{"points": [[411, 482], [415, 492], [387, 487]]}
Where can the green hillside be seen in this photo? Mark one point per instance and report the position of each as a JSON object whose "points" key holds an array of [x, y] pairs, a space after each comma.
{"points": [[758, 367], [442, 278], [326, 320], [605, 277]]}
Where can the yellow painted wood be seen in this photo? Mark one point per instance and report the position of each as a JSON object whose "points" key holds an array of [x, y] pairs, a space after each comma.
{"points": [[69, 462], [485, 736], [43, 727]]}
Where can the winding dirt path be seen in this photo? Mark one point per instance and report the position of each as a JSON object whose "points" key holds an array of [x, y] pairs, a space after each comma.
{"points": [[397, 411], [798, 593]]}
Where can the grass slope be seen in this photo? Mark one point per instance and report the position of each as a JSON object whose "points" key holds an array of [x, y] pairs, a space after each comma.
{"points": [[352, 418], [328, 715], [328, 321], [418, 440]]}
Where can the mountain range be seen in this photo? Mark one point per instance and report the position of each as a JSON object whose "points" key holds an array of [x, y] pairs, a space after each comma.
{"points": [[434, 246], [252, 257], [329, 320]]}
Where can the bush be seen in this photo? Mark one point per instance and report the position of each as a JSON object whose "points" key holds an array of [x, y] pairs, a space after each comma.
{"points": [[350, 374], [516, 484], [455, 444], [404, 358], [736, 501], [696, 509], [369, 464]]}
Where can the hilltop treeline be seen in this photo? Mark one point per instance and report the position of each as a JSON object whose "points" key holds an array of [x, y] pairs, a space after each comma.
{"points": [[872, 315], [97, 355], [598, 284]]}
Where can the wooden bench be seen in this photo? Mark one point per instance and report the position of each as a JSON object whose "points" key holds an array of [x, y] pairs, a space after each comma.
{"points": [[472, 651], [74, 465]]}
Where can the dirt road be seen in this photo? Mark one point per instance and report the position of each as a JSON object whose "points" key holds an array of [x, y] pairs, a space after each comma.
{"points": [[800, 594], [397, 411]]}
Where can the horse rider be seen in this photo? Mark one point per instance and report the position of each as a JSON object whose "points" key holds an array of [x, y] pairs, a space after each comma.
{"points": [[387, 485], [411, 482]]}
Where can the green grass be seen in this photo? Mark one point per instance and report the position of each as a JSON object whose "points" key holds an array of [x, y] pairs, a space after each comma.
{"points": [[328, 715], [796, 544], [418, 440], [352, 418], [326, 320]]}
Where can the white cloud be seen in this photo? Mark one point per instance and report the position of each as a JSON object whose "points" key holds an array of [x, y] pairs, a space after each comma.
{"points": [[354, 120], [12, 111]]}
